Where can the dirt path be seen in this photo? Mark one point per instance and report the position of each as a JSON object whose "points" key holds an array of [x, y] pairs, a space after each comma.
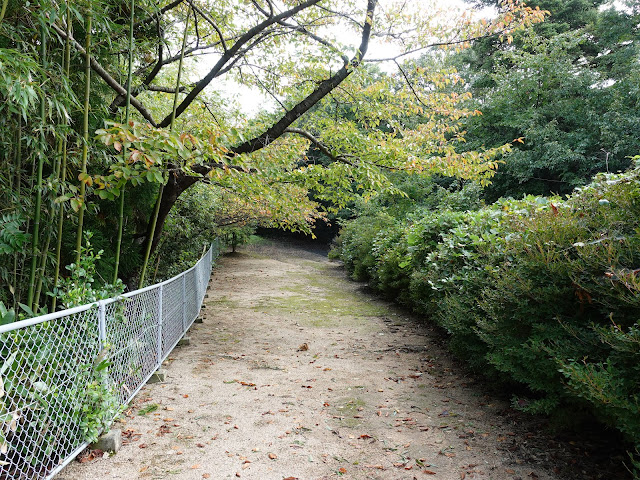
{"points": [[295, 373]]}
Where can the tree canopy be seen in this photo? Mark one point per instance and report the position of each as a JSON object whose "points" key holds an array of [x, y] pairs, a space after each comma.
{"points": [[569, 91], [112, 109]]}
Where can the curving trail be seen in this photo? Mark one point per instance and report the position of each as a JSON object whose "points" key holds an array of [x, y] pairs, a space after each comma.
{"points": [[296, 373]]}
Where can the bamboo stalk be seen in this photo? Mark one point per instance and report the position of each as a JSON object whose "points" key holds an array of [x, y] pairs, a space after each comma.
{"points": [[124, 152], [175, 95], [4, 9], [156, 210], [85, 136], [18, 188], [154, 221], [39, 183], [41, 269], [63, 165]]}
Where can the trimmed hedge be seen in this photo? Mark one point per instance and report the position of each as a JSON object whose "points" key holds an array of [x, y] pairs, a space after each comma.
{"points": [[541, 293]]}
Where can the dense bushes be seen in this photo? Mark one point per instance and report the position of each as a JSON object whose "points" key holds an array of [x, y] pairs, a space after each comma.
{"points": [[541, 293]]}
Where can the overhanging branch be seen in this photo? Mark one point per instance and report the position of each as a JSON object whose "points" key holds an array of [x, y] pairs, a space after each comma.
{"points": [[323, 89], [102, 73], [231, 52], [319, 145]]}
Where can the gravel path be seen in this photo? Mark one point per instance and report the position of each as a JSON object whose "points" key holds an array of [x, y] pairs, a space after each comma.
{"points": [[297, 374]]}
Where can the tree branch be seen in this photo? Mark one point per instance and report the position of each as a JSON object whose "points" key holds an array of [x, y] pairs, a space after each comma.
{"points": [[264, 87], [302, 29], [231, 52], [158, 14], [102, 73], [436, 44], [210, 22], [415, 94], [314, 97], [319, 145]]}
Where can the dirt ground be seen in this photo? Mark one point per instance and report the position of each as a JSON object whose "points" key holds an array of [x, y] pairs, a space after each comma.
{"points": [[296, 373]]}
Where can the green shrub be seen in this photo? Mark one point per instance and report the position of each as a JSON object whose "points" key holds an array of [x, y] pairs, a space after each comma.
{"points": [[356, 243], [541, 293], [389, 251]]}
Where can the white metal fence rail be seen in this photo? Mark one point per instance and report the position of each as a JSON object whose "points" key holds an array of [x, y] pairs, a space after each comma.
{"points": [[58, 370]]}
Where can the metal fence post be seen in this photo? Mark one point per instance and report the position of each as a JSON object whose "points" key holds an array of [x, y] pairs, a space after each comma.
{"points": [[184, 303], [102, 324], [159, 346]]}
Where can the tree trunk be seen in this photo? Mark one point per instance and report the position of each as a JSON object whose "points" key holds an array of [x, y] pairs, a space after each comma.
{"points": [[178, 182]]}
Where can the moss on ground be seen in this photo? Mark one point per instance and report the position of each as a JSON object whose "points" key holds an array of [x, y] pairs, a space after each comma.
{"points": [[349, 411], [223, 302], [322, 301]]}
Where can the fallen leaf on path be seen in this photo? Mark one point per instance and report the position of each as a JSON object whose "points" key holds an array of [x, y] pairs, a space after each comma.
{"points": [[342, 470], [143, 469], [206, 475], [195, 467], [272, 456], [290, 478], [303, 348], [90, 456], [164, 429], [510, 470], [429, 472]]}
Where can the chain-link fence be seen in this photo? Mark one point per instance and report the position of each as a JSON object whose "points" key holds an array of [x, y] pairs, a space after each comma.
{"points": [[63, 376]]}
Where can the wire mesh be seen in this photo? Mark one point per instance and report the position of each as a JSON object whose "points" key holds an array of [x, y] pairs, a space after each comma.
{"points": [[64, 376]]}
